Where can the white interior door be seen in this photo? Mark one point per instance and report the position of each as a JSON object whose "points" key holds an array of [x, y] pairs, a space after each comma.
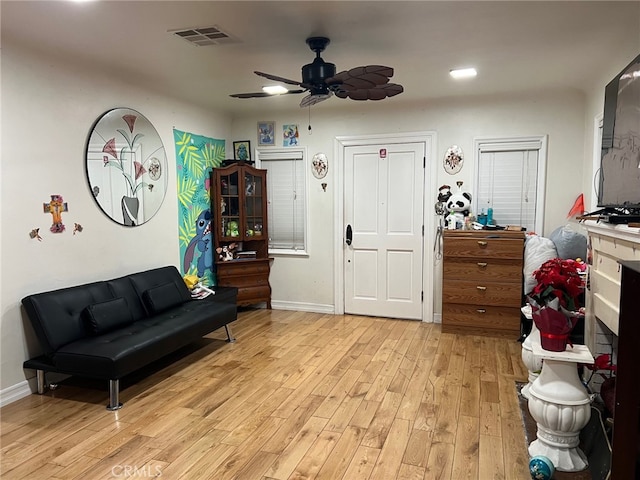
{"points": [[384, 187]]}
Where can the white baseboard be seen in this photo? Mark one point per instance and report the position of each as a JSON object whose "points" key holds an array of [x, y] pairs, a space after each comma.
{"points": [[14, 393], [437, 318], [303, 307]]}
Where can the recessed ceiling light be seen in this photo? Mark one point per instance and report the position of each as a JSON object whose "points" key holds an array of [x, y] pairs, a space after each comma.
{"points": [[463, 73], [274, 89]]}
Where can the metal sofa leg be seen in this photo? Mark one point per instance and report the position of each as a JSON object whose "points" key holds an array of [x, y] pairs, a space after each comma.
{"points": [[41, 381], [230, 337], [41, 378], [114, 396]]}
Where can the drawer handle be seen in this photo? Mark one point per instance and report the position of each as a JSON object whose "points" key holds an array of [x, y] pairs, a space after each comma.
{"points": [[482, 289], [482, 264], [481, 310], [482, 244]]}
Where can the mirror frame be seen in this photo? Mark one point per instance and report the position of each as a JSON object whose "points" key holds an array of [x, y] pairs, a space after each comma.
{"points": [[126, 166]]}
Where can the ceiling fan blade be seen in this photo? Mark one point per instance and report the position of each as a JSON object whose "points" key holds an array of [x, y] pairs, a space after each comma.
{"points": [[362, 77], [376, 93], [263, 94], [392, 89], [249, 95], [276, 78]]}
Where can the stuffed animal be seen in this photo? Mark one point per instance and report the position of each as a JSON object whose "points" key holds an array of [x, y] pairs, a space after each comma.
{"points": [[458, 206], [444, 192], [459, 202], [227, 252], [232, 229]]}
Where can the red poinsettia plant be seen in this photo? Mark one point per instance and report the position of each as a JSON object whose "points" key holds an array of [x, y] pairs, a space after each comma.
{"points": [[559, 278], [604, 366], [602, 363]]}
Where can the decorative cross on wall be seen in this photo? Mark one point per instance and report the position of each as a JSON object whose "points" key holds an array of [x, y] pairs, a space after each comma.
{"points": [[55, 207]]}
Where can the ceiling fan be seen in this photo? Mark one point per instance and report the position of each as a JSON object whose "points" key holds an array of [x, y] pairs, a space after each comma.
{"points": [[319, 78]]}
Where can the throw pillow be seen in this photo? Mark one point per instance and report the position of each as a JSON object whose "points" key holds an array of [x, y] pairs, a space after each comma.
{"points": [[161, 298], [105, 316]]}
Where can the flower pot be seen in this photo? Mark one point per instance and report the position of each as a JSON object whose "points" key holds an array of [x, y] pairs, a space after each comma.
{"points": [[555, 327], [553, 342]]}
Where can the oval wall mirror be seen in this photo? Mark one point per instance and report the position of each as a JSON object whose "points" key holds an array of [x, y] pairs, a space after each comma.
{"points": [[126, 166]]}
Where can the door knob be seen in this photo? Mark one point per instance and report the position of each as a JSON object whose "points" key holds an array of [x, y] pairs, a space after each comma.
{"points": [[349, 235]]}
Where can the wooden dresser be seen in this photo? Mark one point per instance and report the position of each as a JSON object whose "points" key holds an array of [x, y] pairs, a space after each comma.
{"points": [[250, 277], [482, 282]]}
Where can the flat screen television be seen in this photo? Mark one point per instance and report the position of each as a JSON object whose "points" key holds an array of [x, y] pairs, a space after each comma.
{"points": [[619, 183]]}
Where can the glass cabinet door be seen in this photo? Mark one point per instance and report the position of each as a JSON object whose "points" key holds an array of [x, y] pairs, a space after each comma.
{"points": [[229, 188], [239, 207], [254, 214]]}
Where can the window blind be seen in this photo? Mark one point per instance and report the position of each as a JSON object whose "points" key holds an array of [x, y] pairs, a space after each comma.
{"points": [[286, 198], [507, 182]]}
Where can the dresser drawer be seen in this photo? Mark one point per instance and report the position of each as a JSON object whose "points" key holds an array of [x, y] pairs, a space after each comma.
{"points": [[484, 247], [243, 280], [482, 293], [243, 267], [483, 270], [483, 318], [615, 248], [251, 295]]}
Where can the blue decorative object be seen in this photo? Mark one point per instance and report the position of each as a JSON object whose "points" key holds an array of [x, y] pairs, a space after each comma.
{"points": [[541, 468]]}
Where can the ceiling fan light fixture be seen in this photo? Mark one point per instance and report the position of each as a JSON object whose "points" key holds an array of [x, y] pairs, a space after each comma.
{"points": [[463, 73], [320, 80], [274, 89]]}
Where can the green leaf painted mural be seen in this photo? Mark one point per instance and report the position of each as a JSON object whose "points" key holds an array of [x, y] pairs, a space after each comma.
{"points": [[196, 156]]}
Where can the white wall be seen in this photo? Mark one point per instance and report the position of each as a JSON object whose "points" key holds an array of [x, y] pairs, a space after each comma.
{"points": [[558, 114], [48, 107]]}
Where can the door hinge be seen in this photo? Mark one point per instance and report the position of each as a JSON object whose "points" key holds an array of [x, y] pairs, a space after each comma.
{"points": [[422, 296], [423, 230], [424, 162]]}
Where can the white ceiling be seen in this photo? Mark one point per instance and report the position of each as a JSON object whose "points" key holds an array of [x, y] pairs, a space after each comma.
{"points": [[516, 46]]}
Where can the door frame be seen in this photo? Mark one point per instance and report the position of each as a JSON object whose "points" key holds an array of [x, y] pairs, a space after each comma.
{"points": [[429, 138]]}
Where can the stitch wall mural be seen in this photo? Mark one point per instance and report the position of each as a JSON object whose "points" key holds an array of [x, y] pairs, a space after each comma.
{"points": [[196, 156]]}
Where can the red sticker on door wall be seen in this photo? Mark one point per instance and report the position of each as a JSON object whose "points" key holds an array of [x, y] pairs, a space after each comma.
{"points": [[383, 153]]}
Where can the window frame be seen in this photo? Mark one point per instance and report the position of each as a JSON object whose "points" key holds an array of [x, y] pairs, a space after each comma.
{"points": [[269, 154], [538, 143]]}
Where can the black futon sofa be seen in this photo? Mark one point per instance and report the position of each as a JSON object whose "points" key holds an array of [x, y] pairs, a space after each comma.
{"points": [[108, 329]]}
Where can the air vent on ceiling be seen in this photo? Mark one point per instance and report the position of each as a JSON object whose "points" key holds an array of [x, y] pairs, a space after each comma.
{"points": [[203, 36]]}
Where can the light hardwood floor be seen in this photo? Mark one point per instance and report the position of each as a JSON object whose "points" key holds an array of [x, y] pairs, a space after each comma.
{"points": [[299, 396]]}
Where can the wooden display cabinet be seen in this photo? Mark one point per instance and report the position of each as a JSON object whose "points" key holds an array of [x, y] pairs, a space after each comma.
{"points": [[239, 206]]}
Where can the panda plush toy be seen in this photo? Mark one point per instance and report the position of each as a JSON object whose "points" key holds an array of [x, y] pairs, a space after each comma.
{"points": [[458, 206]]}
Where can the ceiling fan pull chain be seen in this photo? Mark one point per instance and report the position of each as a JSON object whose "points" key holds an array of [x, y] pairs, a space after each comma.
{"points": [[310, 132]]}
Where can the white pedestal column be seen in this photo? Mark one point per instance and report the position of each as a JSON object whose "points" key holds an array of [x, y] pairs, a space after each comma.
{"points": [[560, 405], [531, 361]]}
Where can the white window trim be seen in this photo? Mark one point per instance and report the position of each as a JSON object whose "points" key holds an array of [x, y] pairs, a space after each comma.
{"points": [[289, 153], [482, 144]]}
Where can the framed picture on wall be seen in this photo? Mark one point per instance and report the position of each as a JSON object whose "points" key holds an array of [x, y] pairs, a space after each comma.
{"points": [[242, 150], [266, 133]]}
